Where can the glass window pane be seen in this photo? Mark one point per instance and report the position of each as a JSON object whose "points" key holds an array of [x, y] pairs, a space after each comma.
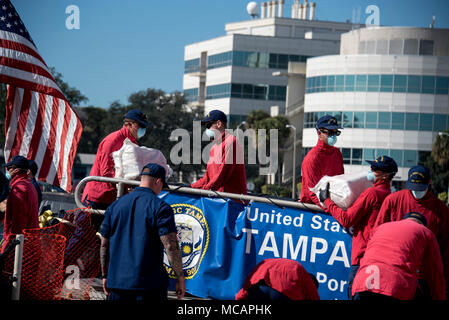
{"points": [[323, 83], [381, 152], [411, 46], [359, 119], [397, 156], [347, 119], [373, 82], [382, 47], [360, 82], [339, 83], [371, 120], [330, 83], [395, 46], [414, 84], [370, 47], [439, 123], [428, 84], [349, 82], [426, 47], [264, 60], [283, 61], [400, 83], [384, 120], [425, 121], [236, 90], [411, 121], [386, 83], [369, 154], [442, 85], [397, 120], [346, 153], [260, 92], [247, 91], [362, 47], [356, 156], [423, 156], [410, 158]]}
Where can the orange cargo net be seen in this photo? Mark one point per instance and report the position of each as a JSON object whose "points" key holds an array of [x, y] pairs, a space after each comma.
{"points": [[60, 261]]}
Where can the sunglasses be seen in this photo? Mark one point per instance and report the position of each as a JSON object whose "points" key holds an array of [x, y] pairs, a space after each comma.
{"points": [[210, 124], [331, 133]]}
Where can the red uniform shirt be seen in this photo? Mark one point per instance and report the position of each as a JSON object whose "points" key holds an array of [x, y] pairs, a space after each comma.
{"points": [[322, 160], [22, 210], [225, 170], [395, 252], [283, 275], [398, 204], [103, 192], [362, 215]]}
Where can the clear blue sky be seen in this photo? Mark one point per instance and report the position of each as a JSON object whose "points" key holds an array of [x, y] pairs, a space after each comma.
{"points": [[126, 46]]}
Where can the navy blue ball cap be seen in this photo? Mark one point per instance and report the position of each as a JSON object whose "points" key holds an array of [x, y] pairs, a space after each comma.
{"points": [[418, 178], [215, 115], [384, 163], [417, 216], [32, 165], [156, 171], [18, 161], [137, 116], [327, 122]]}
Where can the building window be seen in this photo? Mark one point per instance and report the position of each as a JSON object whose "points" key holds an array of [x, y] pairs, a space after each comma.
{"points": [[382, 47], [395, 46], [192, 66], [339, 83], [349, 82], [360, 82], [426, 47], [346, 153], [411, 46], [373, 82], [428, 84], [246, 91], [386, 83], [191, 94], [357, 156], [400, 83], [410, 158], [425, 122], [414, 84], [442, 85], [383, 120]]}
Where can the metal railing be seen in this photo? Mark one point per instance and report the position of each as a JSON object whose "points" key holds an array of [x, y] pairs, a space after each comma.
{"points": [[187, 190]]}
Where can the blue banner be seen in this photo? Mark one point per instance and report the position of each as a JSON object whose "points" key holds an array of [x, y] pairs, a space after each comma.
{"points": [[221, 241]]}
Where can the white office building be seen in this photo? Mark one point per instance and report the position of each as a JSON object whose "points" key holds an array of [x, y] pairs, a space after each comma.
{"points": [[388, 88], [234, 72]]}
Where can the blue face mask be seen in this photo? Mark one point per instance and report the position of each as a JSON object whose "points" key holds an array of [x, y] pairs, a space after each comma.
{"points": [[210, 133], [141, 132], [419, 194], [7, 175], [370, 176], [331, 140]]}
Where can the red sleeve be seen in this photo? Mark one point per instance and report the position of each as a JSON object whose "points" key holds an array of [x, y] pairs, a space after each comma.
{"points": [[201, 182], [433, 269], [350, 217], [309, 178]]}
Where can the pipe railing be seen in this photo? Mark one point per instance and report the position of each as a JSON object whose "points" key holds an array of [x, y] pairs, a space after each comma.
{"points": [[187, 190]]}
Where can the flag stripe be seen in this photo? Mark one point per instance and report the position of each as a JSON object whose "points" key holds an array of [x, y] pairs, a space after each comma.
{"points": [[37, 134], [17, 46], [22, 120], [25, 66], [51, 142], [23, 79], [17, 55]]}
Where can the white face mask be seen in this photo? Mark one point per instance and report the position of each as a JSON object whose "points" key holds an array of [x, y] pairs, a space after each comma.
{"points": [[419, 194], [210, 133], [141, 132]]}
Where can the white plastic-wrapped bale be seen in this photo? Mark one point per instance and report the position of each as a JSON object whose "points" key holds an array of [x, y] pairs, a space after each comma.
{"points": [[344, 189], [130, 159]]}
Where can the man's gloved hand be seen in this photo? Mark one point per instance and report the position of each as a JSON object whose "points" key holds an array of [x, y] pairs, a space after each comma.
{"points": [[324, 193]]}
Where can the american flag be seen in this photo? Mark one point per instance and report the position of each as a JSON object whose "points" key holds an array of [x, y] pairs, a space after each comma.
{"points": [[40, 123]]}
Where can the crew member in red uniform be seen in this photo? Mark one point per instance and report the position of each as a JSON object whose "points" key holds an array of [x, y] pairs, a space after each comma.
{"points": [[99, 195], [398, 254], [363, 212], [279, 279], [21, 207], [225, 170], [418, 197], [323, 160]]}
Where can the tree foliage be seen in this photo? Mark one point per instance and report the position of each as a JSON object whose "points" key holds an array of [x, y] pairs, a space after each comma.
{"points": [[438, 163]]}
